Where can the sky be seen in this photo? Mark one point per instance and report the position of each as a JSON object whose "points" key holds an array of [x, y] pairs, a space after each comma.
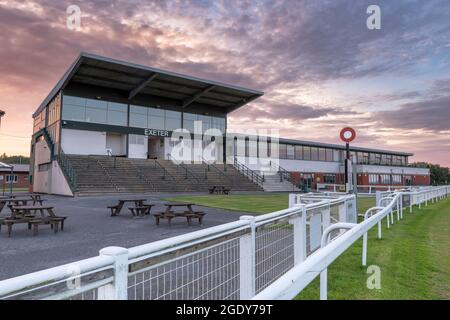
{"points": [[318, 64]]}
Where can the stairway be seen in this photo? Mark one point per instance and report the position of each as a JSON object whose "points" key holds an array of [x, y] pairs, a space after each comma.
{"points": [[96, 175], [272, 183]]}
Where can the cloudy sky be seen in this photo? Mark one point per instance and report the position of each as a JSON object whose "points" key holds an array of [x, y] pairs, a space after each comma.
{"points": [[319, 65]]}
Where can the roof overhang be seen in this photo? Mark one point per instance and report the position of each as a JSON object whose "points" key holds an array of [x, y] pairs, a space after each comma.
{"points": [[5, 166], [134, 79]]}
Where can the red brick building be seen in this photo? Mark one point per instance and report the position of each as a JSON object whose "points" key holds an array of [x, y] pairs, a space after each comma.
{"points": [[19, 177]]}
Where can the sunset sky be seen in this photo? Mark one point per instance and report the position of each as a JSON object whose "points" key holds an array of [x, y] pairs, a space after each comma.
{"points": [[319, 65]]}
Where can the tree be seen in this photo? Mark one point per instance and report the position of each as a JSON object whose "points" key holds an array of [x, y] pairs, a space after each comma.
{"points": [[438, 175], [14, 159]]}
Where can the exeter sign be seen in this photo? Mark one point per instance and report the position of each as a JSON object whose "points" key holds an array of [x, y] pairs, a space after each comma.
{"points": [[156, 133]]}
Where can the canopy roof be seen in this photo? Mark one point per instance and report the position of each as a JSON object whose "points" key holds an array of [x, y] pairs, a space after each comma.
{"points": [[134, 79]]}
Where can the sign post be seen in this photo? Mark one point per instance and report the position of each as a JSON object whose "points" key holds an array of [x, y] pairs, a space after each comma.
{"points": [[348, 135]]}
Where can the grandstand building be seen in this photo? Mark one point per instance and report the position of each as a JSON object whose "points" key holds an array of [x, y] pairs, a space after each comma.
{"points": [[107, 126]]}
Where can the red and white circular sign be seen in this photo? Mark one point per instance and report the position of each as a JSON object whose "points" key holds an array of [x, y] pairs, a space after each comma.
{"points": [[348, 134]]}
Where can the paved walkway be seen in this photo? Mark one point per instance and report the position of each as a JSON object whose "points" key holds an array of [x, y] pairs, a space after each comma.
{"points": [[88, 229]]}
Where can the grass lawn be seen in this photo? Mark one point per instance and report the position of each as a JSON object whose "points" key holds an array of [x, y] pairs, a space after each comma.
{"points": [[413, 256], [261, 203]]}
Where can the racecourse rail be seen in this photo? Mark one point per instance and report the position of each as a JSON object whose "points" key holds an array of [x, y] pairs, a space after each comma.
{"points": [[271, 256]]}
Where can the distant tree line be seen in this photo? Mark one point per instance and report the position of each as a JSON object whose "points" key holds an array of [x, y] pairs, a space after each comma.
{"points": [[438, 175], [14, 159]]}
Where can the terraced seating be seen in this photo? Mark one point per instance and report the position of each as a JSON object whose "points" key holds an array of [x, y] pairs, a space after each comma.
{"points": [[104, 175]]}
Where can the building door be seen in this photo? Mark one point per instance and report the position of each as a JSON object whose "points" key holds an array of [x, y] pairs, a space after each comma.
{"points": [[116, 144], [155, 148], [308, 181]]}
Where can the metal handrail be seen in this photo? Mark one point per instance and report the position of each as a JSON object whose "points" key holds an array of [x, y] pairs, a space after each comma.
{"points": [[282, 172], [142, 175], [67, 169], [218, 170], [186, 170], [165, 172], [255, 177], [107, 174]]}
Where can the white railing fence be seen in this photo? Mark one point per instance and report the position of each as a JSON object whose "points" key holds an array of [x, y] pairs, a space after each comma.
{"points": [[270, 256], [231, 261], [362, 189], [300, 276]]}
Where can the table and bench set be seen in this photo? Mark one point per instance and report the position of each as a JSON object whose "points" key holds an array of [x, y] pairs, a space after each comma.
{"points": [[219, 190], [25, 209], [140, 209]]}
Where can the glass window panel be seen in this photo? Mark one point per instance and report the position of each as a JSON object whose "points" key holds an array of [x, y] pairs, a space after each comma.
{"points": [[322, 154], [299, 152], [329, 154], [282, 151], [117, 118], [74, 101], [306, 153], [336, 155], [138, 120], [173, 114], [155, 112], [172, 124], [189, 116], [314, 154], [95, 115], [75, 113], [117, 107], [189, 125], [206, 122], [290, 152], [137, 109], [96, 104], [155, 122]]}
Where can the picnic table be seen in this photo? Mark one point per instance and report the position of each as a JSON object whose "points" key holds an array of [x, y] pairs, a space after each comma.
{"points": [[19, 201], [27, 214], [187, 213], [219, 190], [116, 209]]}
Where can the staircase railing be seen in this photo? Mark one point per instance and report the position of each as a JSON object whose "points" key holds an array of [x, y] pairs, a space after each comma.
{"points": [[165, 172], [67, 169], [142, 176], [184, 168], [108, 175], [283, 173], [211, 165], [249, 173]]}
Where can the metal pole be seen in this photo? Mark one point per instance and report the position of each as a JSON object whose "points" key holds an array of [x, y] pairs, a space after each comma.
{"points": [[11, 181], [347, 148]]}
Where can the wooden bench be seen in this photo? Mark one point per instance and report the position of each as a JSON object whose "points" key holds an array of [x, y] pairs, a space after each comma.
{"points": [[219, 190], [54, 224], [163, 215], [141, 210], [212, 190], [195, 215], [115, 210]]}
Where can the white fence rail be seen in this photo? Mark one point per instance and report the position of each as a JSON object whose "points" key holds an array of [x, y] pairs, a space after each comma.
{"points": [[254, 257], [368, 189], [296, 279]]}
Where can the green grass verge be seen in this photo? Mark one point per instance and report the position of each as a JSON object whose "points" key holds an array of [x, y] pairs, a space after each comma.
{"points": [[261, 203], [413, 257]]}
